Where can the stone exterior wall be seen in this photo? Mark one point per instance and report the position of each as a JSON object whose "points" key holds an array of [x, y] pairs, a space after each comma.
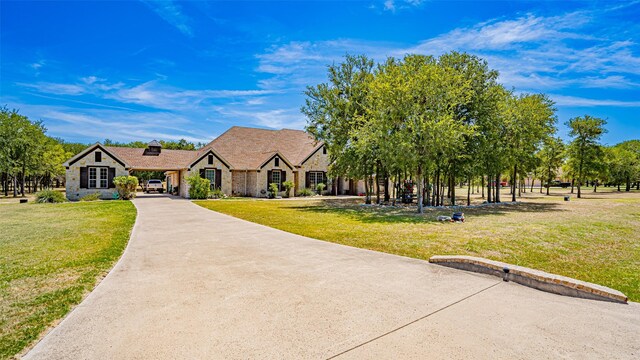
{"points": [[317, 162], [203, 164], [74, 192], [261, 177], [244, 182]]}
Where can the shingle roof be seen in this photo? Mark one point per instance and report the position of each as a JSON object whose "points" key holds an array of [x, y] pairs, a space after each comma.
{"points": [[248, 148], [242, 147], [166, 160]]}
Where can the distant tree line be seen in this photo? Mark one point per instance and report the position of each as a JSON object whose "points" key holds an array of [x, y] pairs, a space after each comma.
{"points": [[31, 161], [438, 122]]}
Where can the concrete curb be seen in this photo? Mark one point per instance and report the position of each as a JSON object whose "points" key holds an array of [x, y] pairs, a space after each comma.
{"points": [[532, 278]]}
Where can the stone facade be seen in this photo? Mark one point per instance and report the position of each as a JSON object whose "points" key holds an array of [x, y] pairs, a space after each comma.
{"points": [[74, 192], [244, 182], [225, 183], [261, 186], [319, 161]]}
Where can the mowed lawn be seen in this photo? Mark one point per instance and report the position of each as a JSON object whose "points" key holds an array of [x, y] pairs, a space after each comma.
{"points": [[51, 255], [596, 239]]}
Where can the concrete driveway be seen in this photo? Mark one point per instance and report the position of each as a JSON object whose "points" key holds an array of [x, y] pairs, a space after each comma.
{"points": [[195, 284]]}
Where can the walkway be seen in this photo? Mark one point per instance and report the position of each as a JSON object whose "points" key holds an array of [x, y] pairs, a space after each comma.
{"points": [[195, 284]]}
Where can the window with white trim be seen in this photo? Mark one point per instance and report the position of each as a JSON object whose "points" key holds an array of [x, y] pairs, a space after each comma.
{"points": [[210, 174], [315, 178], [98, 177], [275, 177]]}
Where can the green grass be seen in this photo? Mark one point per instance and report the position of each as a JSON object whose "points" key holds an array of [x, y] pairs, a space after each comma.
{"points": [[595, 239], [51, 255]]}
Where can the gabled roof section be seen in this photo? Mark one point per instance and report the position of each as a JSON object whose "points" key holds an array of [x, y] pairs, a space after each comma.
{"points": [[320, 146], [91, 148], [280, 156], [165, 160], [250, 148], [206, 151]]}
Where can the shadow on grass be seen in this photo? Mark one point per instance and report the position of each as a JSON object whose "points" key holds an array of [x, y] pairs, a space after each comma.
{"points": [[377, 214]]}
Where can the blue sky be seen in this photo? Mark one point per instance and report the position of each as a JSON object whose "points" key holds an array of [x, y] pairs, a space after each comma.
{"points": [[169, 70]]}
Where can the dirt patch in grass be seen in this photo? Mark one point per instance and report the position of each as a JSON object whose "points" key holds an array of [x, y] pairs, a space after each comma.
{"points": [[595, 239]]}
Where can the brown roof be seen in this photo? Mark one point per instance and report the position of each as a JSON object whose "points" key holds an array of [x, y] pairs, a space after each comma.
{"points": [[166, 160], [248, 148], [242, 147]]}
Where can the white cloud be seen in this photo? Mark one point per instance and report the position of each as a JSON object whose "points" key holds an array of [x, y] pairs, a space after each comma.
{"points": [[289, 118], [531, 52], [96, 124], [54, 88], [563, 100], [171, 13], [151, 93], [389, 5]]}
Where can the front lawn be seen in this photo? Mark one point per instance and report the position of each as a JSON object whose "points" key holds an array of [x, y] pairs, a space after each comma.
{"points": [[596, 239], [51, 255]]}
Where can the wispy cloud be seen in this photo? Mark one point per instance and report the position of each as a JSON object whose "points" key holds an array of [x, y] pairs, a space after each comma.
{"points": [[290, 118], [122, 125], [393, 5], [532, 53], [563, 100], [151, 93], [172, 13]]}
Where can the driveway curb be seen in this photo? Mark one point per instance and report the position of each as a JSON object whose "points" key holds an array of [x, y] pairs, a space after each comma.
{"points": [[532, 278]]}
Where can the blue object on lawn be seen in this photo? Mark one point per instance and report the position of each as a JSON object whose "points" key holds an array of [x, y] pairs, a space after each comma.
{"points": [[458, 216]]}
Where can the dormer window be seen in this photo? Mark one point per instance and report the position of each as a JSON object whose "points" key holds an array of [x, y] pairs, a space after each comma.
{"points": [[210, 159], [153, 148], [98, 157], [277, 162], [324, 150]]}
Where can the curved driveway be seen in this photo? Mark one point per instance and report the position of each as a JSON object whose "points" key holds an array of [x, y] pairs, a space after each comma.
{"points": [[196, 284]]}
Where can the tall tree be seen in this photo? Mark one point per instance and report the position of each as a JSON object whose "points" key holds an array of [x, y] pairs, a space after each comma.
{"points": [[335, 112], [551, 159], [585, 151]]}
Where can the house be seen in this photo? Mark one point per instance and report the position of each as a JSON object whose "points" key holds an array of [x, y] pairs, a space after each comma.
{"points": [[242, 161]]}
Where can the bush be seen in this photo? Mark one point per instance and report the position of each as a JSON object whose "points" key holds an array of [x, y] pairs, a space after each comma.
{"points": [[91, 197], [320, 188], [49, 196], [288, 185], [273, 190], [126, 186], [198, 187], [217, 194], [305, 192]]}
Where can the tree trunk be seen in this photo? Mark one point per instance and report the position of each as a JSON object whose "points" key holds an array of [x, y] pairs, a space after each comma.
{"points": [[452, 188], [482, 185], [15, 185], [427, 190], [533, 179], [436, 189], [498, 188], [515, 180], [489, 189], [22, 182], [419, 177], [387, 193], [595, 186], [628, 187], [469, 191], [367, 197], [573, 181], [377, 189]]}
